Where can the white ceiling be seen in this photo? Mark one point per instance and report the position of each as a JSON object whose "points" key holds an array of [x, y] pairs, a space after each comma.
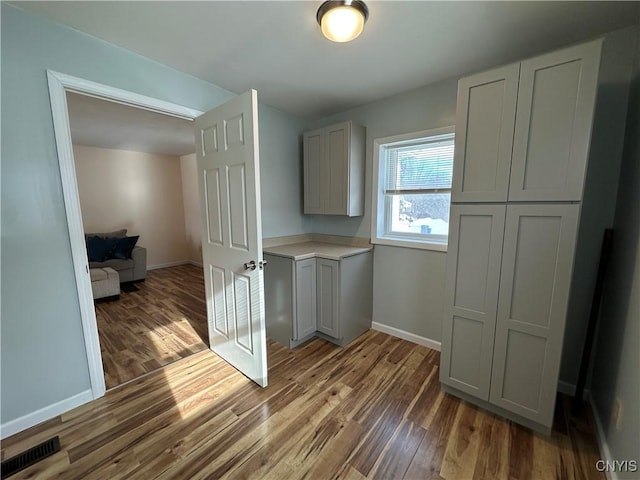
{"points": [[99, 123], [276, 46]]}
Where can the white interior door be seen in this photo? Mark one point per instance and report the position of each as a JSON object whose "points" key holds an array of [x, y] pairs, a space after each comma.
{"points": [[229, 178]]}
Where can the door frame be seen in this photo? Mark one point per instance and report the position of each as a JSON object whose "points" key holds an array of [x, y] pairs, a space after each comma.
{"points": [[59, 84]]}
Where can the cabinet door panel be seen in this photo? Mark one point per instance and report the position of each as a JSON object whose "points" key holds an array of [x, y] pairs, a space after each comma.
{"points": [[328, 288], [313, 150], [537, 264], [337, 173], [305, 323], [471, 297], [484, 135], [553, 124]]}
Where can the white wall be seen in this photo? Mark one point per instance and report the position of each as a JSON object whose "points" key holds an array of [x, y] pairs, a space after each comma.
{"points": [[192, 219], [141, 192]]}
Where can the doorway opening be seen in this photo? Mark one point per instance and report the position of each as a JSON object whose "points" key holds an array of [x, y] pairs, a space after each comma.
{"points": [[136, 176], [227, 154]]}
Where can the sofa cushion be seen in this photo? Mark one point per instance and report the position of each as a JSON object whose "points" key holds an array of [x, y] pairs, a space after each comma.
{"points": [[115, 263], [124, 247], [115, 234], [99, 249]]}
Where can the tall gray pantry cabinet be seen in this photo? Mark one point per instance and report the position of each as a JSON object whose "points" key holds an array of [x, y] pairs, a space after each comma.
{"points": [[522, 142]]}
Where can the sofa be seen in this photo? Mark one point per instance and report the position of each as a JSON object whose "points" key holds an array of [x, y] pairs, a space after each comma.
{"points": [[132, 269]]}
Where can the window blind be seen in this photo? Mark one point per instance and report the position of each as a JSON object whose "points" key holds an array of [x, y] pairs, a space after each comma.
{"points": [[422, 166]]}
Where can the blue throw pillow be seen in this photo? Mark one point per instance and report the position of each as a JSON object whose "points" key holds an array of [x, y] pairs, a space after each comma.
{"points": [[100, 249], [124, 247]]}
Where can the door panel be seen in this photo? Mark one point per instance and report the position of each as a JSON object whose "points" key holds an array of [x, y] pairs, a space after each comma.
{"points": [[553, 124], [536, 273], [212, 205], [237, 191], [471, 297], [229, 176], [485, 120]]}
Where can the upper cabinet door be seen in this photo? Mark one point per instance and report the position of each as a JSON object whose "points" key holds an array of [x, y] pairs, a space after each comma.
{"points": [[337, 139], [553, 124], [313, 151], [484, 135]]}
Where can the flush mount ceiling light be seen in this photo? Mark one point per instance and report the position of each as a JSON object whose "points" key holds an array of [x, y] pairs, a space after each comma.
{"points": [[342, 20]]}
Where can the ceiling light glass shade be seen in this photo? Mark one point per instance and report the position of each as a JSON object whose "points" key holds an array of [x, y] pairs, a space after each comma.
{"points": [[342, 21]]}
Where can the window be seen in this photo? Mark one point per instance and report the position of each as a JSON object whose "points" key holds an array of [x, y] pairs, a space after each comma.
{"points": [[413, 175]]}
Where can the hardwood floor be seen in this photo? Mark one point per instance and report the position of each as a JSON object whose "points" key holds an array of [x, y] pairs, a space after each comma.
{"points": [[371, 410], [163, 321]]}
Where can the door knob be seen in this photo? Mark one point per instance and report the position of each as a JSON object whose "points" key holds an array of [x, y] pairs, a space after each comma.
{"points": [[261, 264], [251, 265]]}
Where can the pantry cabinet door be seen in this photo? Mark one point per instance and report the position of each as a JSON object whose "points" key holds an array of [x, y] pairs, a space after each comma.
{"points": [[556, 101], [471, 297], [537, 264], [485, 120]]}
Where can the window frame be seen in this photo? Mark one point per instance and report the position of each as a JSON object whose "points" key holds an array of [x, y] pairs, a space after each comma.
{"points": [[381, 232]]}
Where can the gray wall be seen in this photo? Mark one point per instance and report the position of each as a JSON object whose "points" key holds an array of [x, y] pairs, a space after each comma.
{"points": [[417, 308], [281, 173], [408, 284], [601, 186], [43, 358], [617, 355]]}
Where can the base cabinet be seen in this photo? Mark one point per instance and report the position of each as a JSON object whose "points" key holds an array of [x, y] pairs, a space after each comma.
{"points": [[321, 297]]}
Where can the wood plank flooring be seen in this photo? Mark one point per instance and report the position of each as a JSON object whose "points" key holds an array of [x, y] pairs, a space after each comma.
{"points": [[373, 410], [163, 321]]}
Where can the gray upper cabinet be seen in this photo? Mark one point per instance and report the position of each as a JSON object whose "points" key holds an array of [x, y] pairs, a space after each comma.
{"points": [[556, 100], [471, 297], [485, 121], [534, 293], [333, 164]]}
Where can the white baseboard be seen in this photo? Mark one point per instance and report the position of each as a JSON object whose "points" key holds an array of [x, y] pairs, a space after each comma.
{"points": [[605, 452], [167, 265], [195, 264], [567, 388], [410, 337], [27, 421]]}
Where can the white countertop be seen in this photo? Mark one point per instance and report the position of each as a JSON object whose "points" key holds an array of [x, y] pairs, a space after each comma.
{"points": [[301, 251]]}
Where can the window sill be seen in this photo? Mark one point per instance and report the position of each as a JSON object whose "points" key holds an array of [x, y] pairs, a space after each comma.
{"points": [[405, 243]]}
